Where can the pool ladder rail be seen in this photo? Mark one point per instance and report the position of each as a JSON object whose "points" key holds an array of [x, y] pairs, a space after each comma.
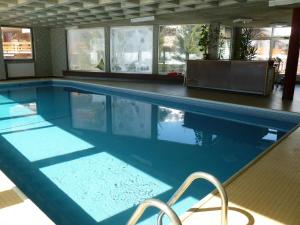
{"points": [[166, 208]]}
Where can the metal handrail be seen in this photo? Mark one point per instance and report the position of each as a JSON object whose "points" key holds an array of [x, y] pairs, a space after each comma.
{"points": [[155, 203], [188, 182]]}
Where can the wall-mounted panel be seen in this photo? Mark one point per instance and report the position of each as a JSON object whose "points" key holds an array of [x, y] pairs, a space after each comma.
{"points": [[20, 69]]}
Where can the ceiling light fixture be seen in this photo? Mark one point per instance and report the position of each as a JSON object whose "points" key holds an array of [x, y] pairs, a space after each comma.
{"points": [[71, 27], [142, 19], [243, 20], [278, 24]]}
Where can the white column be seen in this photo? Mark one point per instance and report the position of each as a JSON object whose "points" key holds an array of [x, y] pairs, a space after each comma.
{"points": [[2, 64], [155, 49], [107, 48]]}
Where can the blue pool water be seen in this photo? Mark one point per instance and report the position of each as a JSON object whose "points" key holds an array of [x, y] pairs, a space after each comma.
{"points": [[88, 158]]}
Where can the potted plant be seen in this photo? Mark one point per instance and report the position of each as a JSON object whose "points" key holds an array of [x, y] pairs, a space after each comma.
{"points": [[101, 65], [204, 40], [247, 49]]}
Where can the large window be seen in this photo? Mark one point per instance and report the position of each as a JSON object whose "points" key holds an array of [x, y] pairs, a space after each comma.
{"points": [[280, 50], [273, 43], [225, 42], [262, 42], [86, 49], [178, 43], [263, 49], [17, 43], [132, 49]]}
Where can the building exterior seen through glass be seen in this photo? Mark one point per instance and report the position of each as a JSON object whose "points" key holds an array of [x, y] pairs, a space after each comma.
{"points": [[131, 47], [272, 43], [16, 43]]}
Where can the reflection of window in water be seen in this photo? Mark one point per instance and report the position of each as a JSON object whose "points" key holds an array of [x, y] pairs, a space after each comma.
{"points": [[23, 109], [171, 127], [88, 111], [271, 136], [170, 115], [131, 118], [23, 95], [31, 106]]}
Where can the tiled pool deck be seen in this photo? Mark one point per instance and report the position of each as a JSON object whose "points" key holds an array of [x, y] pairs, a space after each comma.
{"points": [[267, 192], [16, 208]]}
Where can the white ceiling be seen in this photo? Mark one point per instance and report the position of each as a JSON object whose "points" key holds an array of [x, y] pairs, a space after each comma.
{"points": [[62, 13]]}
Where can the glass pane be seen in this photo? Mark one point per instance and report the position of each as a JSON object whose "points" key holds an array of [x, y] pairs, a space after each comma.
{"points": [[17, 43], [178, 43], [132, 49], [282, 31], [262, 32], [225, 50], [263, 49], [86, 49], [225, 42], [225, 31], [280, 50]]}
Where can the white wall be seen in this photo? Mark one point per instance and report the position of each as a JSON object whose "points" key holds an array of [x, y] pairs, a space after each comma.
{"points": [[2, 65]]}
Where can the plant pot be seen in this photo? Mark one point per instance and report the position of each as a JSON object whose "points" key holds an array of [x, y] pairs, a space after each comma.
{"points": [[205, 56]]}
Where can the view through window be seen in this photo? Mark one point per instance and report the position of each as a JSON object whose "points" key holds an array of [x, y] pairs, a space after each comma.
{"points": [[273, 43], [86, 49], [17, 43], [225, 42], [178, 43], [132, 49]]}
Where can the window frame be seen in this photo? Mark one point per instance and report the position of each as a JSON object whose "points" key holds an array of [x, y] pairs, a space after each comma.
{"points": [[32, 59]]}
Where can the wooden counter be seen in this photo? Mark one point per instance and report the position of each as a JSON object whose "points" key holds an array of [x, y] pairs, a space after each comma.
{"points": [[255, 77]]}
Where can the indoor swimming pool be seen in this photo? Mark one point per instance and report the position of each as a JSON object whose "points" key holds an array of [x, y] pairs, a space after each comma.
{"points": [[88, 154]]}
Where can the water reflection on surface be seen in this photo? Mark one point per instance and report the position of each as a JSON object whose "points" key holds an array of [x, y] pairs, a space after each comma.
{"points": [[94, 157]]}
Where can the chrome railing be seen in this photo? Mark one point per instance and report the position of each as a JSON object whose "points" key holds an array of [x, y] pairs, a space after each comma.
{"points": [[188, 182], [155, 203]]}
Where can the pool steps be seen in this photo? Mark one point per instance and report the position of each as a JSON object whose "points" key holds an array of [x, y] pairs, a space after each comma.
{"points": [[166, 208]]}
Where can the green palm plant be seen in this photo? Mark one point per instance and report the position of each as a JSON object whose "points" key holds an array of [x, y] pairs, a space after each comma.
{"points": [[204, 40], [187, 41]]}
